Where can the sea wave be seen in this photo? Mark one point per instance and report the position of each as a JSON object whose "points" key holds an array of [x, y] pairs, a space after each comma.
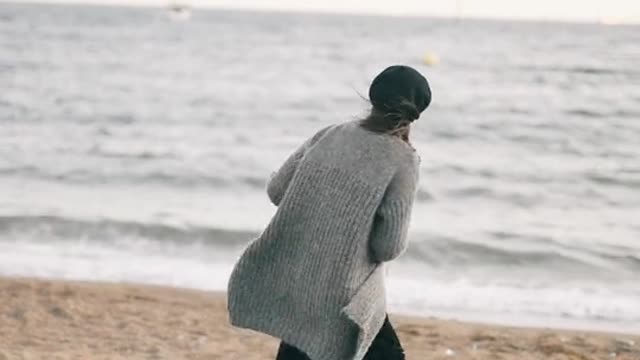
{"points": [[104, 176], [54, 229], [508, 251], [584, 70], [535, 253]]}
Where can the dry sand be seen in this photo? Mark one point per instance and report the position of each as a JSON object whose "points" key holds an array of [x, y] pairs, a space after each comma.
{"points": [[42, 319]]}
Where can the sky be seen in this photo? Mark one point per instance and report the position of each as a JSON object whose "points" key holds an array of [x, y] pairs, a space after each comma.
{"points": [[613, 11]]}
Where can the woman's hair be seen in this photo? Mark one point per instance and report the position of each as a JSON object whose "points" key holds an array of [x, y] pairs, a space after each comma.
{"points": [[390, 121]]}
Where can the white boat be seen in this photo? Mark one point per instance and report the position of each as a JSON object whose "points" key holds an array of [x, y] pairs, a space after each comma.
{"points": [[179, 12]]}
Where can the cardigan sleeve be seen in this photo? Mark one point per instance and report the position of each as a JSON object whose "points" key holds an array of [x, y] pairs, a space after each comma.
{"points": [[279, 181], [388, 238]]}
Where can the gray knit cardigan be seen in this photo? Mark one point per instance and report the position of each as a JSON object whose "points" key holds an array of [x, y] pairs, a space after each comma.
{"points": [[315, 277]]}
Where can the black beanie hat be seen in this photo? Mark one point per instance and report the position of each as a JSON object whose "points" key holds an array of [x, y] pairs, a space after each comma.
{"points": [[400, 89]]}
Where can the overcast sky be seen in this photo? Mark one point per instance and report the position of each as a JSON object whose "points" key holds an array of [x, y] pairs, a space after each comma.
{"points": [[575, 10]]}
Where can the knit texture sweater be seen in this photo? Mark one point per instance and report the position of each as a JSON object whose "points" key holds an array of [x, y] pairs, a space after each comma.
{"points": [[315, 276]]}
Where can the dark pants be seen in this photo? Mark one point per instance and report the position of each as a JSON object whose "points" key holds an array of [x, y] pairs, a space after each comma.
{"points": [[385, 346]]}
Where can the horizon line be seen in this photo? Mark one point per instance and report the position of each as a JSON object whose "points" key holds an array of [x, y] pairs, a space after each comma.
{"points": [[346, 12]]}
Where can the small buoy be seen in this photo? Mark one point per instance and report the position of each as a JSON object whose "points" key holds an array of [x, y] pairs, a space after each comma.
{"points": [[430, 59]]}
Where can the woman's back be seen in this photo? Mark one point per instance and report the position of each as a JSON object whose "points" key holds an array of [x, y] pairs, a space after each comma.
{"points": [[341, 178], [328, 209], [328, 195]]}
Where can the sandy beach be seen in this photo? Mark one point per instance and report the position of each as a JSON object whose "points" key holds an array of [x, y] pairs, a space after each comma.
{"points": [[42, 319]]}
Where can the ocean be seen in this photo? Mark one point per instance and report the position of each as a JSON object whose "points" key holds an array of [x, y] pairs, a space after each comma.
{"points": [[136, 148]]}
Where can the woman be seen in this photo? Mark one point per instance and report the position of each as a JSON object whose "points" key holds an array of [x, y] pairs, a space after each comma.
{"points": [[315, 277]]}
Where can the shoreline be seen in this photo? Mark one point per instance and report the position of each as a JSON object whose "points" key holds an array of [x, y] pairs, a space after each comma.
{"points": [[530, 322], [468, 317], [60, 319]]}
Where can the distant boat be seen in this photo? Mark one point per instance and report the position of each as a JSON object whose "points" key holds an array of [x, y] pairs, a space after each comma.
{"points": [[179, 12]]}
